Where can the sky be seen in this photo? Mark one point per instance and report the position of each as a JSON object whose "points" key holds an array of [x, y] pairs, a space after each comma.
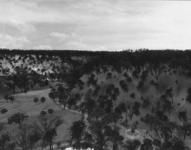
{"points": [[111, 25]]}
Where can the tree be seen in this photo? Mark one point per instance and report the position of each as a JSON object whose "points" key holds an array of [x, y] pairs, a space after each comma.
{"points": [[87, 141], [112, 93], [43, 113], [161, 131], [35, 99], [114, 116], [73, 99], [105, 103], [25, 136], [2, 126], [167, 132], [17, 118], [82, 108], [102, 133], [134, 126], [136, 72], [123, 85], [34, 137], [76, 132], [169, 93], [132, 95], [62, 94], [49, 135], [147, 144], [166, 105], [141, 83], [156, 69], [130, 108], [153, 124], [48, 125], [132, 145], [80, 84], [50, 111], [97, 114], [4, 139], [188, 98], [11, 84], [109, 76], [185, 128], [177, 144], [154, 83], [182, 116], [11, 98], [4, 110], [43, 99], [6, 97], [11, 146], [173, 144], [146, 103], [52, 94], [116, 138], [89, 105], [122, 109], [22, 79], [91, 80]]}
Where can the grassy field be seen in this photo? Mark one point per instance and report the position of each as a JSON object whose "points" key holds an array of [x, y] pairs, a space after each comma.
{"points": [[24, 103]]}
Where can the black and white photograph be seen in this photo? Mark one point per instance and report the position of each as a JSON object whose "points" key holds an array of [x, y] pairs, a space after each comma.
{"points": [[95, 75]]}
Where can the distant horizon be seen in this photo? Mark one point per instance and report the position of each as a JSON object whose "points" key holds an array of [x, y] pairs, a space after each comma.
{"points": [[134, 50]]}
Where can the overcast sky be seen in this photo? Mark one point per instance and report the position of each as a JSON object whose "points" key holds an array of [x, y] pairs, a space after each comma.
{"points": [[95, 24]]}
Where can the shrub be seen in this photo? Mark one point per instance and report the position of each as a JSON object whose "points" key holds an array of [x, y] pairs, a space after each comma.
{"points": [[50, 111], [125, 124], [123, 85], [132, 95], [43, 112], [6, 97], [35, 100], [153, 83], [17, 118], [11, 98], [43, 99], [129, 79], [4, 110]]}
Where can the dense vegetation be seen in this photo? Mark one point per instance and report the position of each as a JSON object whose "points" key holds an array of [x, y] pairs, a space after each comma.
{"points": [[145, 91]]}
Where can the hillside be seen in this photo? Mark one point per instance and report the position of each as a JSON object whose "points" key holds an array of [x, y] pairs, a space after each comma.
{"points": [[148, 91], [24, 104]]}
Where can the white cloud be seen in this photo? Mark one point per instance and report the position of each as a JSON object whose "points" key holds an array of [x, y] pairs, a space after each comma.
{"points": [[8, 41], [21, 25], [30, 11], [100, 24], [63, 36], [76, 45], [68, 40], [43, 47]]}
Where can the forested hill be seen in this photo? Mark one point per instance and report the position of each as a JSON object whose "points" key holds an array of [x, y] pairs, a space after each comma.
{"points": [[128, 58], [82, 62], [146, 90], [133, 57]]}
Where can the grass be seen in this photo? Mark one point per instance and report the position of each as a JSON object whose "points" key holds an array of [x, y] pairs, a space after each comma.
{"points": [[24, 103]]}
